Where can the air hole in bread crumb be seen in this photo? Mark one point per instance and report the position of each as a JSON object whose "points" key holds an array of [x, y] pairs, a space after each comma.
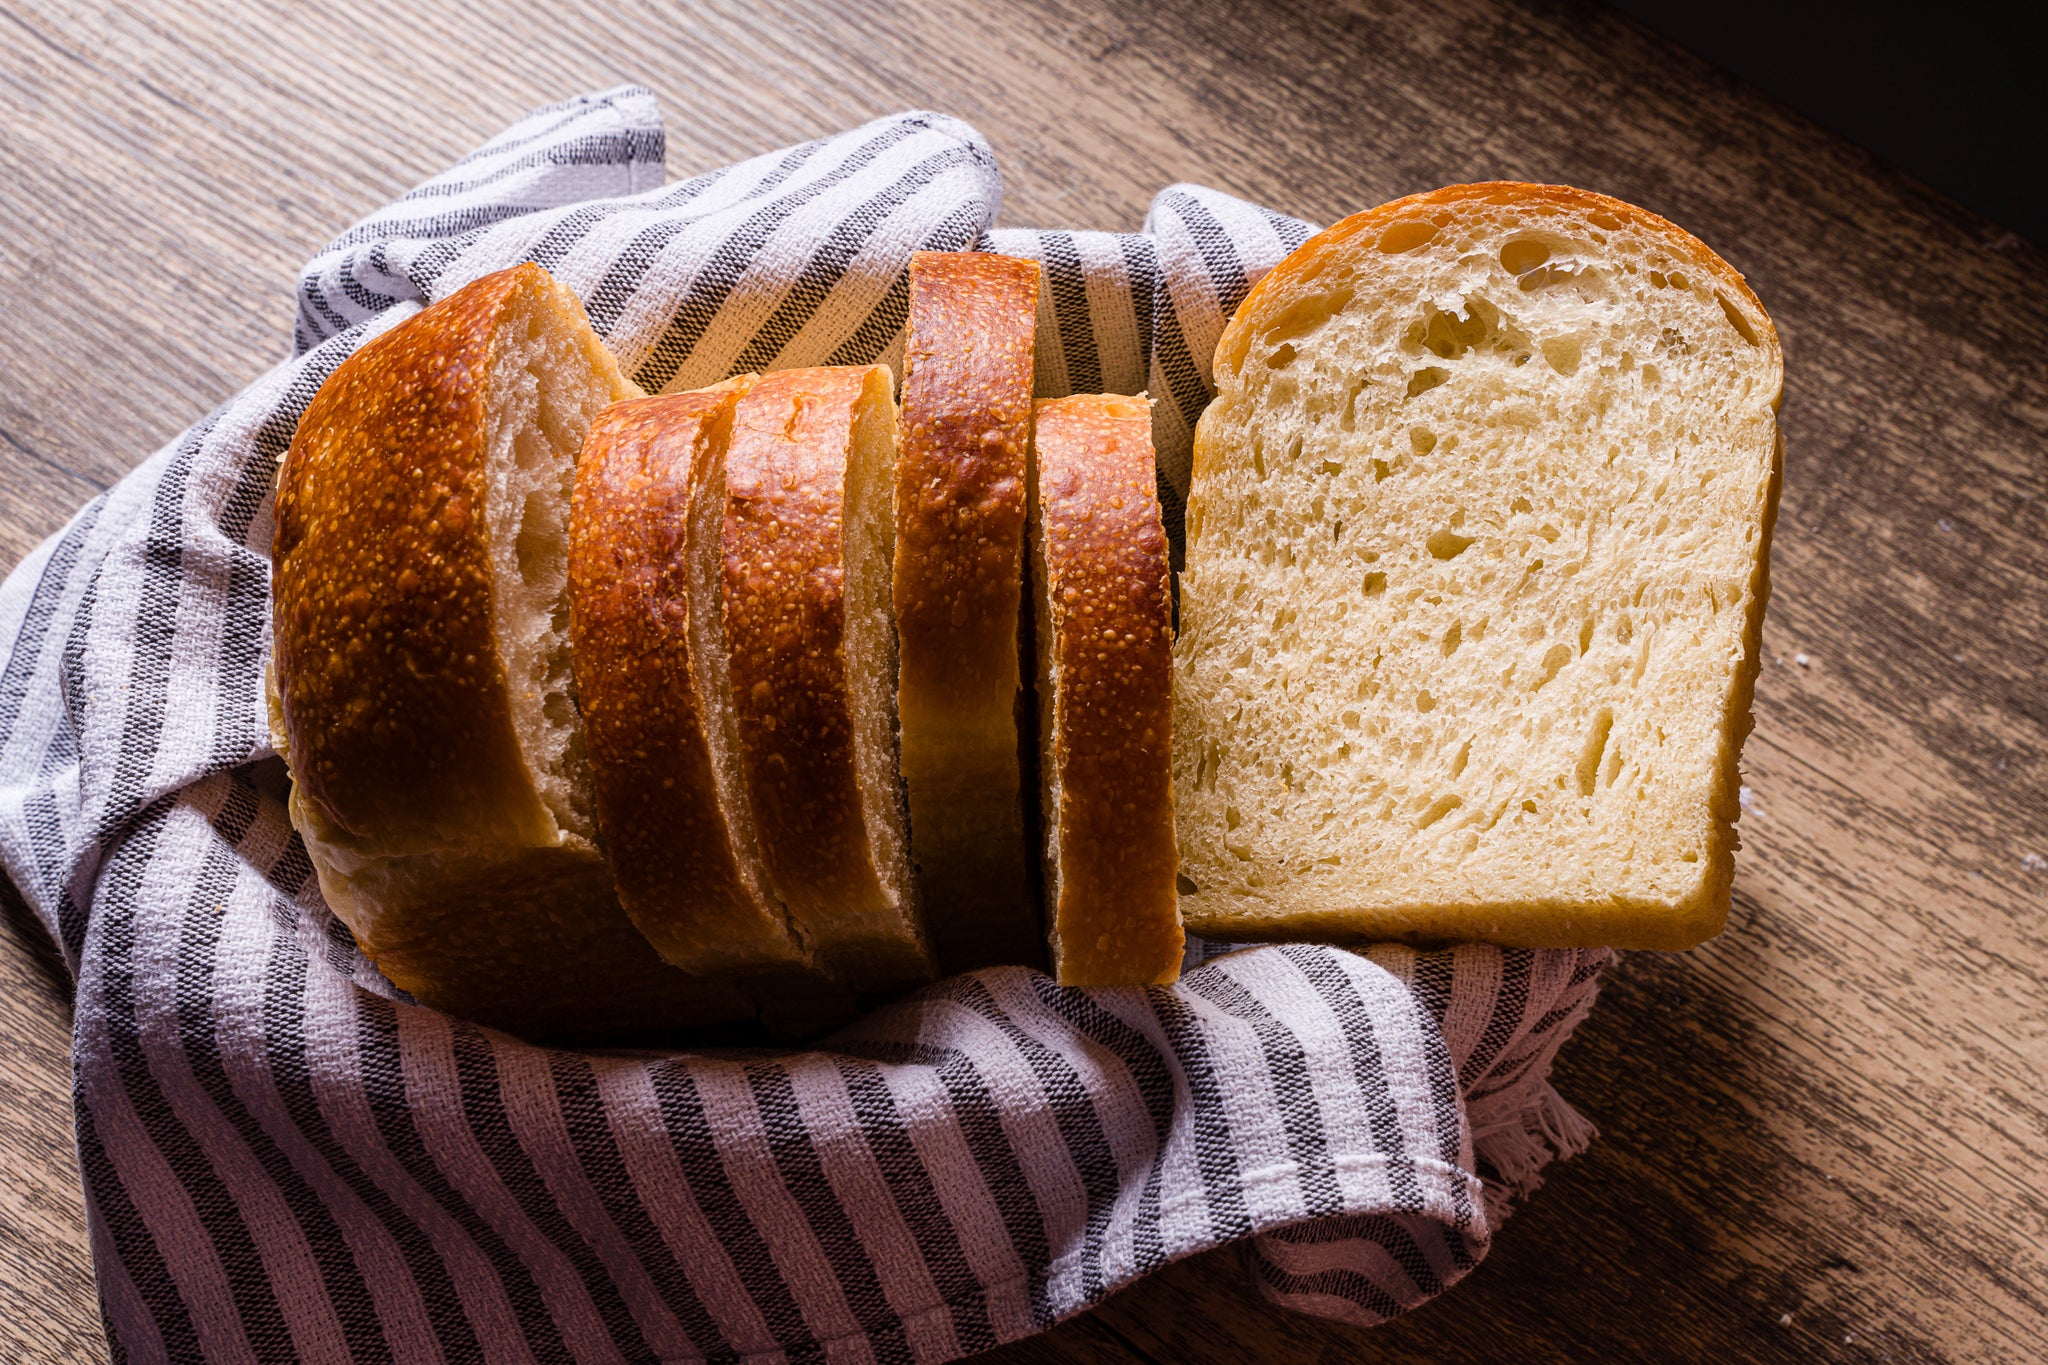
{"points": [[1657, 278], [1624, 628], [1375, 584], [1304, 315], [1679, 281], [1185, 884], [1586, 635], [1454, 637], [1554, 658], [1406, 236], [1438, 809], [1381, 470], [1448, 544], [1423, 380], [1604, 220], [1458, 763], [1529, 806], [1548, 532], [1231, 819], [1690, 856], [1422, 440], [1563, 354], [1520, 505], [1522, 255], [1280, 357], [1596, 745], [1736, 320], [1424, 702], [1650, 375]]}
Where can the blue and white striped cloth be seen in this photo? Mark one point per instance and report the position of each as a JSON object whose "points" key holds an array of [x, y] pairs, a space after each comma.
{"points": [[284, 1158]]}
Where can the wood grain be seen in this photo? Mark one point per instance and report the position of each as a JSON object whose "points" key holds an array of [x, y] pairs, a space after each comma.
{"points": [[1824, 1131]]}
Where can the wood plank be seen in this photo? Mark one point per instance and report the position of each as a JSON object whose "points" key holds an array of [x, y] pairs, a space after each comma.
{"points": [[1834, 1112]]}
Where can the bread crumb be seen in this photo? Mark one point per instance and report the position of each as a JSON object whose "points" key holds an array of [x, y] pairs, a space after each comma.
{"points": [[1801, 660], [1784, 1319], [1946, 526], [1747, 799], [2034, 862]]}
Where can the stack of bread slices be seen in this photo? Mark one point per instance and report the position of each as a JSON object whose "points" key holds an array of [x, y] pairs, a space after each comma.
{"points": [[613, 716]]}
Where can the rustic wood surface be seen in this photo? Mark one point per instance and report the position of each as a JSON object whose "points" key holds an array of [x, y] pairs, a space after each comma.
{"points": [[1825, 1132]]}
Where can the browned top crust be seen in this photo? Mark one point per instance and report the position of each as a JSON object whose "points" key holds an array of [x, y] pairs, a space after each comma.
{"points": [[960, 470], [785, 626], [1111, 748], [393, 695], [1405, 224], [674, 855], [960, 509]]}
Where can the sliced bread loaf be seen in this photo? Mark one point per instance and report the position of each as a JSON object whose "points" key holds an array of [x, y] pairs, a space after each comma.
{"points": [[959, 574], [1104, 637], [422, 691], [811, 642], [1478, 548]]}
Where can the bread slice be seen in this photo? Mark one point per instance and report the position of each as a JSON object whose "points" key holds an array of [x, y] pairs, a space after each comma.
{"points": [[1478, 548], [960, 504], [421, 669], [811, 643], [648, 644], [1104, 638]]}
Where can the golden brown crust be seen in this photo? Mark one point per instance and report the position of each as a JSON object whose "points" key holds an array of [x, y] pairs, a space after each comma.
{"points": [[409, 786], [393, 695], [785, 627], [676, 856], [960, 509], [1108, 750]]}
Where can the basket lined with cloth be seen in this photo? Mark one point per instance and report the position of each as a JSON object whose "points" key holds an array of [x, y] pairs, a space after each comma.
{"points": [[283, 1157]]}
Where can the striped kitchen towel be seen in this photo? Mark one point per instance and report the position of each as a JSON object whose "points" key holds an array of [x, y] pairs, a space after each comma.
{"points": [[284, 1158]]}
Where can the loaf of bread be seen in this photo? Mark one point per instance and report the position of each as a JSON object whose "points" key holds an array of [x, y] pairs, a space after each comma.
{"points": [[960, 507], [422, 690], [1478, 548], [809, 525], [1104, 638]]}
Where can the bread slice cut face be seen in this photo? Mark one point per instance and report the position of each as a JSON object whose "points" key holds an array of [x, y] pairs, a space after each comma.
{"points": [[1478, 549], [423, 692], [1104, 639], [809, 526], [959, 574]]}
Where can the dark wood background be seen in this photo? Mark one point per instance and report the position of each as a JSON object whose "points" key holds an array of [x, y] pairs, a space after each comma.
{"points": [[1824, 1133]]}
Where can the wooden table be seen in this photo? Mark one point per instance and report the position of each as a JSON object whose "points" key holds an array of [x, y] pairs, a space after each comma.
{"points": [[1825, 1132]]}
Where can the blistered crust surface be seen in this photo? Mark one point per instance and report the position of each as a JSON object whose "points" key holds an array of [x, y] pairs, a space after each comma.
{"points": [[959, 569], [393, 696], [785, 624], [675, 854], [1109, 756]]}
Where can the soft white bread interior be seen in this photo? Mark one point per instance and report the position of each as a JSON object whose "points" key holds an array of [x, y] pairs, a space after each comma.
{"points": [[1478, 549], [959, 573], [1104, 638], [423, 684], [811, 645]]}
